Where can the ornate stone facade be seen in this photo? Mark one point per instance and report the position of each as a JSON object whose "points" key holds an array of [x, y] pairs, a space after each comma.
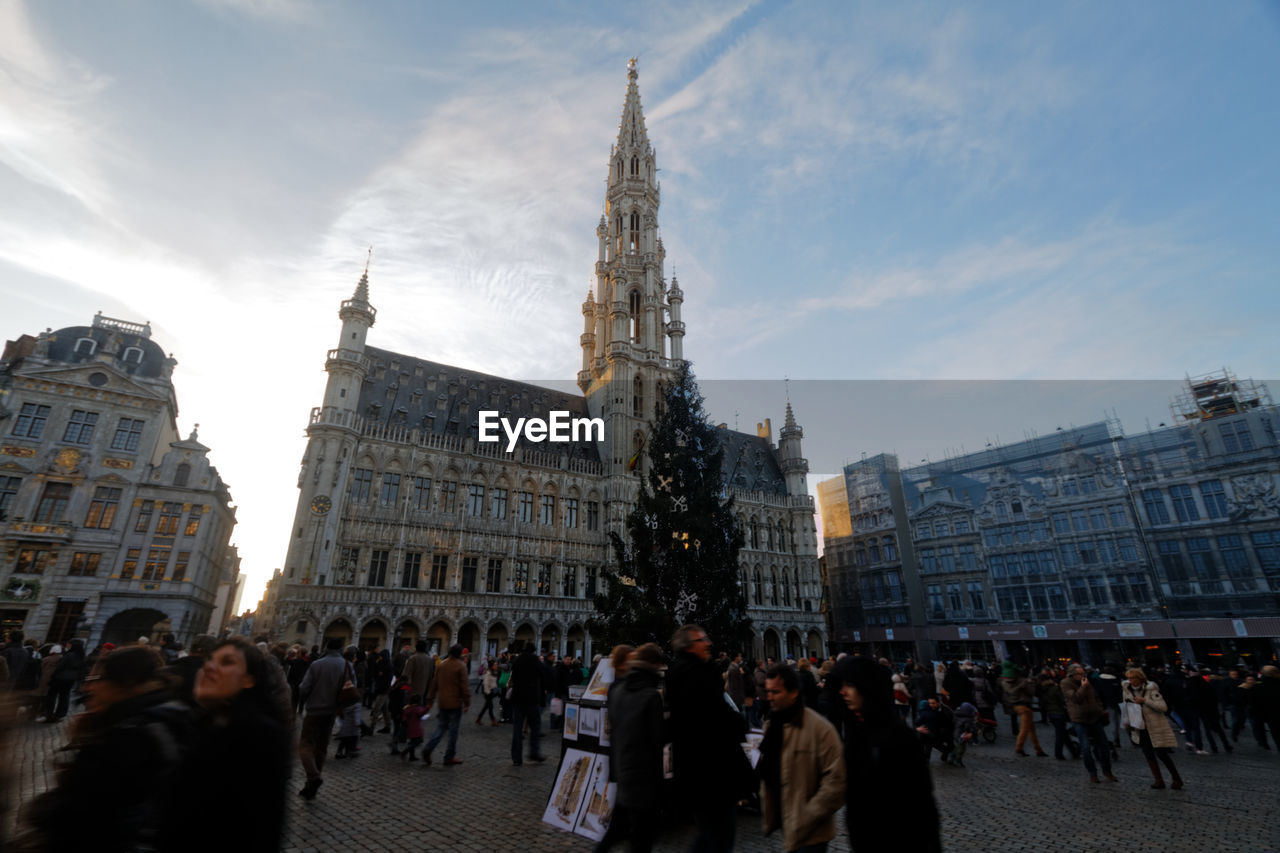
{"points": [[408, 526], [111, 525]]}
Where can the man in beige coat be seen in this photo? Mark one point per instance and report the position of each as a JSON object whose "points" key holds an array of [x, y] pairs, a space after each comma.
{"points": [[801, 768]]}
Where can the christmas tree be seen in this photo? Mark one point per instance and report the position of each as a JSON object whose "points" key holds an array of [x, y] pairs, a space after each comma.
{"points": [[679, 562]]}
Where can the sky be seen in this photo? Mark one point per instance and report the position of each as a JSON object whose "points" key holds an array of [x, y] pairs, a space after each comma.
{"points": [[857, 193]]}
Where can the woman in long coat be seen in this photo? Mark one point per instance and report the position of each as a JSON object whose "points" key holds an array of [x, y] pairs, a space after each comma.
{"points": [[1145, 715]]}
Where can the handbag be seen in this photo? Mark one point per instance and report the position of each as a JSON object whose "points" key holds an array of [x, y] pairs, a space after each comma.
{"points": [[348, 694]]}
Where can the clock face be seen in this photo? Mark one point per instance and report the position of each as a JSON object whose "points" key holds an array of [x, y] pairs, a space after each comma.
{"points": [[321, 504]]}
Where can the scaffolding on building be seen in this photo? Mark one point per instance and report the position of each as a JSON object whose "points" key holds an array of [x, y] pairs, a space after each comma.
{"points": [[1217, 395]]}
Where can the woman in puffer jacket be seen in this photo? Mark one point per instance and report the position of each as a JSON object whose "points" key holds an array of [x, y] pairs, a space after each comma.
{"points": [[1144, 717]]}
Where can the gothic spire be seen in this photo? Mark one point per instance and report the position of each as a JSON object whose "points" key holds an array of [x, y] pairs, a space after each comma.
{"points": [[362, 286], [632, 135]]}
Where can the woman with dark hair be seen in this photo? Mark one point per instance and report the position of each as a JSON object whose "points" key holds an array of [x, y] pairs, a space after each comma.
{"points": [[127, 744], [230, 791], [885, 769]]}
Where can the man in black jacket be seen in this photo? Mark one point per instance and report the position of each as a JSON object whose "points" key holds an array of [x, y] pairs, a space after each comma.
{"points": [[527, 685], [710, 766]]}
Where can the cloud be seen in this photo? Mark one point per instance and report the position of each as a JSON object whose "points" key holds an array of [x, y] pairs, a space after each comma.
{"points": [[44, 137], [280, 11]]}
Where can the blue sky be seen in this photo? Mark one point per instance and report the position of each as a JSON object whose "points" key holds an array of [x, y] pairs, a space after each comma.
{"points": [[850, 191]]}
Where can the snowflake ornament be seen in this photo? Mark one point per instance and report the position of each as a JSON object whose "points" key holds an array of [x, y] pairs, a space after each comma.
{"points": [[685, 606]]}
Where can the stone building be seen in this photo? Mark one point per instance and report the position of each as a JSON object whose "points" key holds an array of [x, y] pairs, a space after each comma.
{"points": [[409, 526], [1081, 544], [112, 526]]}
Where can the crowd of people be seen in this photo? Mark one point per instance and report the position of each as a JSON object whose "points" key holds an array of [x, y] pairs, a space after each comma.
{"points": [[166, 731], [167, 728]]}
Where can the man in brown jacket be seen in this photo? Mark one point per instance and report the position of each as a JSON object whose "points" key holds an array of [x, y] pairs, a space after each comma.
{"points": [[1086, 712], [801, 767], [450, 688]]}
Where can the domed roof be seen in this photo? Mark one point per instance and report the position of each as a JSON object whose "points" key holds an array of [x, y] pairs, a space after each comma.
{"points": [[133, 353]]}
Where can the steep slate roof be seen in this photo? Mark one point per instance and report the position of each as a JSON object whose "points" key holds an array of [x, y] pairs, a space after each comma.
{"points": [[430, 396], [446, 400], [750, 462]]}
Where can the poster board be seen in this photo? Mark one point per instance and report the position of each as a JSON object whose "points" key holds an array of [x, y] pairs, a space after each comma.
{"points": [[598, 686], [571, 721], [582, 798]]}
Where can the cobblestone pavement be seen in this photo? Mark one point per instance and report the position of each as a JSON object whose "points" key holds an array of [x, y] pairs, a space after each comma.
{"points": [[998, 802]]}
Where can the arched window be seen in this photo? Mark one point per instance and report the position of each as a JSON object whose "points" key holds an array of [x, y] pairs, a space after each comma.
{"points": [[182, 475], [634, 306], [874, 548], [1001, 510], [786, 589], [132, 355], [774, 592], [755, 534], [635, 232], [86, 346], [768, 528], [797, 572], [619, 167], [759, 588], [890, 548], [782, 538], [618, 228], [635, 165]]}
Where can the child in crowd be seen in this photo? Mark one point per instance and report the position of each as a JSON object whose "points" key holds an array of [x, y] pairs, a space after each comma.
{"points": [[413, 726]]}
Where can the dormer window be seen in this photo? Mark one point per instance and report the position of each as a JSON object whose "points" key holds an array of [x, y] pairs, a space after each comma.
{"points": [[86, 346], [132, 355], [182, 475]]}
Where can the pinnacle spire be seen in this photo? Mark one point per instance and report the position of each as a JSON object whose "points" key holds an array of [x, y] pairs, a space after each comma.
{"points": [[632, 135], [362, 286]]}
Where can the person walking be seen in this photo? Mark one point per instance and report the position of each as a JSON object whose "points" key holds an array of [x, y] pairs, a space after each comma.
{"points": [[1233, 702], [526, 686], [1144, 711], [125, 753], [1087, 714], [638, 734], [419, 669], [489, 689], [1018, 694], [711, 770], [1210, 708], [1054, 706], [382, 676], [885, 770], [67, 673], [801, 768], [318, 693], [450, 690], [244, 725], [1265, 703]]}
